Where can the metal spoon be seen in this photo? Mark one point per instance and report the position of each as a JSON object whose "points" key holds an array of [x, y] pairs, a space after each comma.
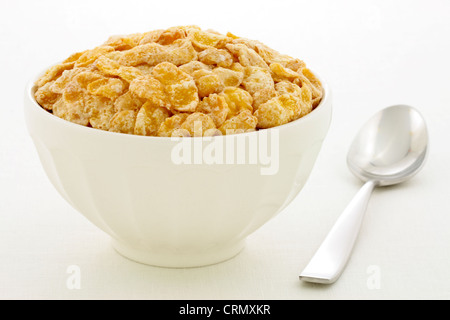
{"points": [[390, 148]]}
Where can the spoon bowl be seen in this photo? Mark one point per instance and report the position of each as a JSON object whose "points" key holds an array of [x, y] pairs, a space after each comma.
{"points": [[390, 148]]}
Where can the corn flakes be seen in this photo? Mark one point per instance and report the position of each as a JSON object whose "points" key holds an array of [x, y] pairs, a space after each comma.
{"points": [[237, 100], [149, 119], [181, 81], [107, 87], [123, 122], [128, 101], [219, 57], [257, 78], [229, 78], [46, 97], [247, 56], [180, 88], [149, 88], [216, 107], [199, 124], [172, 125], [278, 111], [242, 122], [101, 116]]}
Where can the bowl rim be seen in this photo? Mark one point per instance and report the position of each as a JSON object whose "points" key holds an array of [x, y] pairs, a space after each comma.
{"points": [[31, 89]]}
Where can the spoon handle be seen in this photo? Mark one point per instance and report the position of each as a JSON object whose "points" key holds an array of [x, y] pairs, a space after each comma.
{"points": [[330, 259]]}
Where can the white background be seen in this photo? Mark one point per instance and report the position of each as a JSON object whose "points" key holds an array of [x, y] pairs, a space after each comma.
{"points": [[372, 53]]}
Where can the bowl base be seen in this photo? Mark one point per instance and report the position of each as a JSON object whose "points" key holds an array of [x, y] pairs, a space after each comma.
{"points": [[178, 260]]}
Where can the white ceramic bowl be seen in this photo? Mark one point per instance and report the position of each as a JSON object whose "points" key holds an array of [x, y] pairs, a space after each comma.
{"points": [[164, 213]]}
